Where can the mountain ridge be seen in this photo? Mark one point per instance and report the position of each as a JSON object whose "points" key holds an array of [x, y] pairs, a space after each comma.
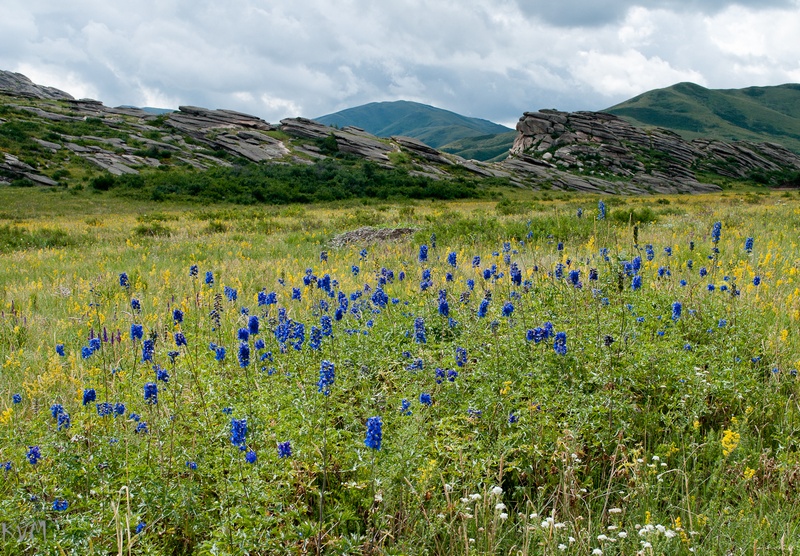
{"points": [[63, 142], [762, 114], [433, 126]]}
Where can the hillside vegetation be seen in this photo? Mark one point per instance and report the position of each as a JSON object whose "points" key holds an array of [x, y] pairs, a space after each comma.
{"points": [[754, 113], [433, 126]]}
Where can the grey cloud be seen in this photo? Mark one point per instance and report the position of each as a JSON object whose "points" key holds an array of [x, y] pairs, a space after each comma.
{"points": [[596, 13]]}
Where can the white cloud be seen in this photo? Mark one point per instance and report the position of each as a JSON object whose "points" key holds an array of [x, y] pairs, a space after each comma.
{"points": [[486, 58], [629, 73]]}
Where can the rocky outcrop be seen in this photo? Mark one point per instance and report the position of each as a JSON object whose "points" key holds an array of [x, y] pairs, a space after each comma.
{"points": [[18, 85], [592, 145], [580, 151], [12, 168], [351, 140]]}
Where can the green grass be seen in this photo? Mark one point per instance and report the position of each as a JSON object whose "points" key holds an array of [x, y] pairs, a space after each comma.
{"points": [[628, 432]]}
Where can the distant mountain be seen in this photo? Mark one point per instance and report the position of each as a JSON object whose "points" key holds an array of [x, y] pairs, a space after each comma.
{"points": [[487, 148], [433, 126], [149, 109], [754, 114]]}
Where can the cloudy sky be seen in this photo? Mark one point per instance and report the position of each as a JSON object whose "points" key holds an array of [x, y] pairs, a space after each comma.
{"points": [[492, 59]]}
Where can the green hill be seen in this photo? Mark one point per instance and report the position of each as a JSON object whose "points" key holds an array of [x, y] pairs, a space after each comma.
{"points": [[754, 113], [433, 126], [489, 148]]}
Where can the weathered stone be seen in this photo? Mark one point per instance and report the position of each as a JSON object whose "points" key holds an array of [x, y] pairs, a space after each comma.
{"points": [[18, 85]]}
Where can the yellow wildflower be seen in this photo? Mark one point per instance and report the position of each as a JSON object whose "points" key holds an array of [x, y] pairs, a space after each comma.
{"points": [[730, 440]]}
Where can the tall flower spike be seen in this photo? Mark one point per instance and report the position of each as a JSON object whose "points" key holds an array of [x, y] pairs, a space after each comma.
{"points": [[374, 433], [327, 376]]}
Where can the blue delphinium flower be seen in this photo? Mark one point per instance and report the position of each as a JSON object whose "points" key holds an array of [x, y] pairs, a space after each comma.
{"points": [[60, 505], [508, 308], [244, 354], [415, 365], [452, 259], [601, 210], [470, 284], [327, 376], [95, 344], [253, 325], [476, 261], [136, 305], [161, 373], [193, 271], [315, 342], [243, 334], [238, 431], [219, 353], [89, 395], [177, 316], [440, 375], [63, 420], [483, 308], [380, 298], [374, 433], [419, 331], [512, 418], [148, 350], [16, 398], [142, 428], [251, 457], [123, 280], [56, 409], [710, 287], [560, 343], [676, 310], [404, 407], [461, 356], [574, 278], [323, 256], [748, 244], [757, 281], [209, 278], [140, 527], [137, 332], [355, 269], [452, 375], [326, 325], [192, 465], [425, 399], [60, 350], [119, 409], [668, 251], [444, 307], [151, 393], [265, 298], [636, 283], [297, 294], [423, 253], [285, 449], [715, 232], [180, 339], [703, 271], [34, 454]]}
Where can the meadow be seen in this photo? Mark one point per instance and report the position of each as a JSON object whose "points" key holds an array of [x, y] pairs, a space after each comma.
{"points": [[548, 374]]}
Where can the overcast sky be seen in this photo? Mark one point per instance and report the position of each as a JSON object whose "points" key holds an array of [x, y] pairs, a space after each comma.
{"points": [[489, 59]]}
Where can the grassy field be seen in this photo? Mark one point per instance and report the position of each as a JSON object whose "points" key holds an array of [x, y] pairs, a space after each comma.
{"points": [[547, 381]]}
